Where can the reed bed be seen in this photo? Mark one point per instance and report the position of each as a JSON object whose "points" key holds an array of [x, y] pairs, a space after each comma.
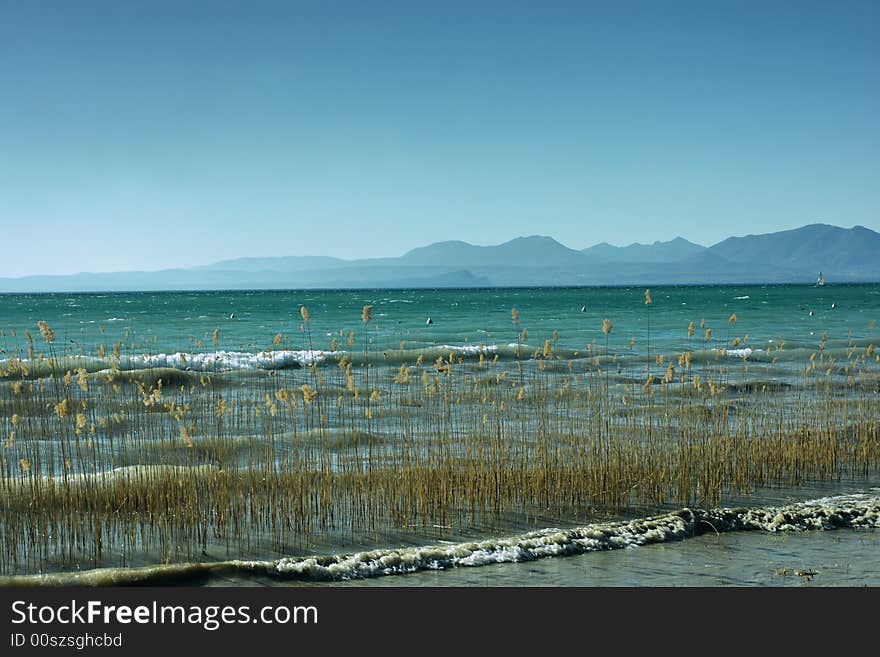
{"points": [[128, 467]]}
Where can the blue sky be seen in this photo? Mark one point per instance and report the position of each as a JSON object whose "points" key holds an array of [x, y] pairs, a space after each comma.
{"points": [[145, 135]]}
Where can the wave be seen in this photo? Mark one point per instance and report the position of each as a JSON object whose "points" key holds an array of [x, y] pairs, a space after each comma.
{"points": [[129, 476], [223, 361], [212, 361], [860, 510], [216, 361], [745, 352], [220, 361], [470, 349]]}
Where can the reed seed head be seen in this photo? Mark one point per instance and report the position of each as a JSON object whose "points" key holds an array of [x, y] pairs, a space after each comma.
{"points": [[403, 377], [82, 379], [47, 333], [308, 393], [62, 408]]}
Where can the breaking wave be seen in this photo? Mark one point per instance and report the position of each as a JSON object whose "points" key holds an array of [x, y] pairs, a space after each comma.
{"points": [[222, 361], [469, 350], [216, 361], [859, 510], [745, 352]]}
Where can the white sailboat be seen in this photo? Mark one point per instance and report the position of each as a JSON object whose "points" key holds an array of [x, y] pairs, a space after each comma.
{"points": [[820, 281]]}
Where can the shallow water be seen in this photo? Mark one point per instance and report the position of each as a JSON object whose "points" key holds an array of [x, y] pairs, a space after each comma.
{"points": [[830, 539], [839, 558], [263, 349]]}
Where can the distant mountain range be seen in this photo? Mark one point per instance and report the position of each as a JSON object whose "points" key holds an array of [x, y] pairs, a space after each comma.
{"points": [[672, 251], [791, 256]]}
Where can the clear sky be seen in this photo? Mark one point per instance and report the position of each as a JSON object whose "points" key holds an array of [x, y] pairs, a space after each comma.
{"points": [[150, 134]]}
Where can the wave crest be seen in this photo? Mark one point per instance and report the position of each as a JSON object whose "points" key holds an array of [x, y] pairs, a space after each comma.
{"points": [[844, 511]]}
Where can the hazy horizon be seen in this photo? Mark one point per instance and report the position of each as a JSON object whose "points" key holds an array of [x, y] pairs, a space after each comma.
{"points": [[393, 256], [142, 138]]}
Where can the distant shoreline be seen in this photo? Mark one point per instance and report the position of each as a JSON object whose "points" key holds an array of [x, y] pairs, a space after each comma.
{"points": [[450, 288], [792, 257]]}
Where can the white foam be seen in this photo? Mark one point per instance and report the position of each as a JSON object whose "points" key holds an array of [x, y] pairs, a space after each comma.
{"points": [[213, 361], [745, 352], [470, 349], [527, 547], [855, 510], [216, 361], [858, 510]]}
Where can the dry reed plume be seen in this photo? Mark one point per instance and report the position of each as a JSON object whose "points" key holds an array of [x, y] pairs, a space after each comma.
{"points": [[131, 467]]}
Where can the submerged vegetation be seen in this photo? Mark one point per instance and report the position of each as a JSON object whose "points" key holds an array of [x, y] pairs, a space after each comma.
{"points": [[104, 465]]}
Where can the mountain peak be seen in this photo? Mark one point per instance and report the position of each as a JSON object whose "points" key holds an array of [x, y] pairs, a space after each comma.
{"points": [[674, 250], [534, 241], [533, 238], [823, 247]]}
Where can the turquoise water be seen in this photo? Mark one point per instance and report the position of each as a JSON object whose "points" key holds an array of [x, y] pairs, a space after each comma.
{"points": [[249, 321], [771, 338]]}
